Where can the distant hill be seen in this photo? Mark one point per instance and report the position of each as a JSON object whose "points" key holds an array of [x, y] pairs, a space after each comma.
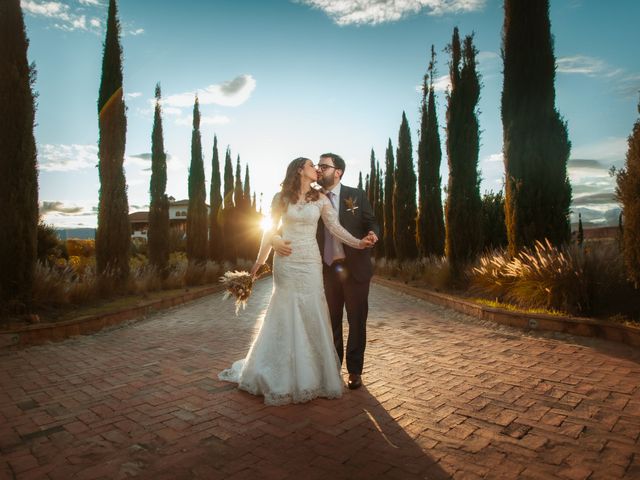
{"points": [[81, 233]]}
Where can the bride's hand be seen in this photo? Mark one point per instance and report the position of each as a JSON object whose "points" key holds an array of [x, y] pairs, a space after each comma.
{"points": [[254, 269], [366, 242]]}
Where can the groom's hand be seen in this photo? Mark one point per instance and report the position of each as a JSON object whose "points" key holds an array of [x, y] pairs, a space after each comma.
{"points": [[281, 246]]}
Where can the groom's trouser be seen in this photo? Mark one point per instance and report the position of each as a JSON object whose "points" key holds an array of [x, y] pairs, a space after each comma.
{"points": [[343, 291]]}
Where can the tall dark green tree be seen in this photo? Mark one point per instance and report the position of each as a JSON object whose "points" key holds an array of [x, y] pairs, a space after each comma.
{"points": [[372, 181], [197, 213], [113, 237], [389, 183], [246, 189], [536, 146], [628, 193], [404, 197], [228, 180], [230, 253], [494, 231], [379, 210], [159, 203], [360, 186], [238, 193], [580, 230], [463, 208], [18, 169], [430, 225], [216, 242], [248, 226]]}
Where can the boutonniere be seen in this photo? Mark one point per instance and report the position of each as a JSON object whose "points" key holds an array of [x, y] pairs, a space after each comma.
{"points": [[351, 205]]}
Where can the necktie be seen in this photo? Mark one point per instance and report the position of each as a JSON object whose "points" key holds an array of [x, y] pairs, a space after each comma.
{"points": [[328, 238]]}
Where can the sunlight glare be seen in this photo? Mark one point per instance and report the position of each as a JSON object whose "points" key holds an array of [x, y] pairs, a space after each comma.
{"points": [[266, 223]]}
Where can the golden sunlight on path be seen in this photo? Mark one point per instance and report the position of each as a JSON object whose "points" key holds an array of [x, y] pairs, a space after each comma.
{"points": [[445, 396]]}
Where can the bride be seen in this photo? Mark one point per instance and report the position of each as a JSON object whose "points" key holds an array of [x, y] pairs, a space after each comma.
{"points": [[293, 358]]}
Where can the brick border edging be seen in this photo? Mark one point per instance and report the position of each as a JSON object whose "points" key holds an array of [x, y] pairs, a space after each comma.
{"points": [[584, 327], [54, 332]]}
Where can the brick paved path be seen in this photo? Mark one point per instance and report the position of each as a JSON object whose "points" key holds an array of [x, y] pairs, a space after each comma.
{"points": [[445, 396]]}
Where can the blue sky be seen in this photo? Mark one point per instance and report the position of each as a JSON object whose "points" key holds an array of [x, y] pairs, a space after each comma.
{"points": [[279, 79]]}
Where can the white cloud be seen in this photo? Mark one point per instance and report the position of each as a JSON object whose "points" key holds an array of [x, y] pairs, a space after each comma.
{"points": [[204, 120], [64, 18], [46, 9], [171, 110], [624, 82], [64, 158], [82, 16], [440, 84], [60, 208], [495, 158], [487, 56], [229, 94], [581, 64], [374, 12], [611, 149], [134, 94]]}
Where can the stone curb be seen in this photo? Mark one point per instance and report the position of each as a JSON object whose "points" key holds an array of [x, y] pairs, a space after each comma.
{"points": [[88, 324], [584, 327]]}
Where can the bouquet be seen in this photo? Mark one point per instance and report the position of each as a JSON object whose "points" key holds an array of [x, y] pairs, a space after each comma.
{"points": [[239, 285]]}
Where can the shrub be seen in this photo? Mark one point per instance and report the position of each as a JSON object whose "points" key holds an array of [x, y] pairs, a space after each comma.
{"points": [[570, 279], [49, 246]]}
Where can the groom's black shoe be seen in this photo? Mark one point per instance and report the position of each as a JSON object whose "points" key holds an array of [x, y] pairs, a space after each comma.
{"points": [[355, 381]]}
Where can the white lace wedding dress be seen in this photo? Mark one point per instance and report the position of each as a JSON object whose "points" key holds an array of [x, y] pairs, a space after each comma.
{"points": [[293, 358]]}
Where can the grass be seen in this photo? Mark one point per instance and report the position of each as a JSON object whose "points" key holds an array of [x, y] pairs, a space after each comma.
{"points": [[514, 308]]}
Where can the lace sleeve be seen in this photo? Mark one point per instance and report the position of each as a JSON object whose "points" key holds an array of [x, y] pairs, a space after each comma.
{"points": [[330, 220], [267, 236]]}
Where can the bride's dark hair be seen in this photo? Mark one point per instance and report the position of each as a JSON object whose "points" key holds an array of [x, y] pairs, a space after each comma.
{"points": [[290, 186]]}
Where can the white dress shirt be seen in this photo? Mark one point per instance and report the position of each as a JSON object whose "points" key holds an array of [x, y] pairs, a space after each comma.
{"points": [[338, 250]]}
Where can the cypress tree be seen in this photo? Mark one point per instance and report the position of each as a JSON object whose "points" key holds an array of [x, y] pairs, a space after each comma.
{"points": [[404, 197], [360, 181], [580, 230], [379, 210], [246, 191], [216, 242], [463, 208], [628, 193], [159, 203], [197, 211], [249, 228], [113, 236], [536, 145], [431, 231], [494, 231], [227, 213], [372, 181], [236, 218], [228, 181], [238, 194], [389, 183], [367, 185], [18, 168]]}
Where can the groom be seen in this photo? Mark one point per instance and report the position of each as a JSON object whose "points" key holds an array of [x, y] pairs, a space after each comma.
{"points": [[347, 271]]}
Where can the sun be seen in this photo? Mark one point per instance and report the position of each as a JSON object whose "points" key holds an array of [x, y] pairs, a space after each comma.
{"points": [[266, 223]]}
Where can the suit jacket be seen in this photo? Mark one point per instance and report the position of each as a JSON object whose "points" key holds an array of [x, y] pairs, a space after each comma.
{"points": [[357, 222]]}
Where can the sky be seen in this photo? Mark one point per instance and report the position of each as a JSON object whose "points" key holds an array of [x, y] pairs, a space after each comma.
{"points": [[279, 79]]}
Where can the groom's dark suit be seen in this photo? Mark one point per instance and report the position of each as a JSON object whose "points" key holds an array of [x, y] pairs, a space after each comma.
{"points": [[346, 283]]}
